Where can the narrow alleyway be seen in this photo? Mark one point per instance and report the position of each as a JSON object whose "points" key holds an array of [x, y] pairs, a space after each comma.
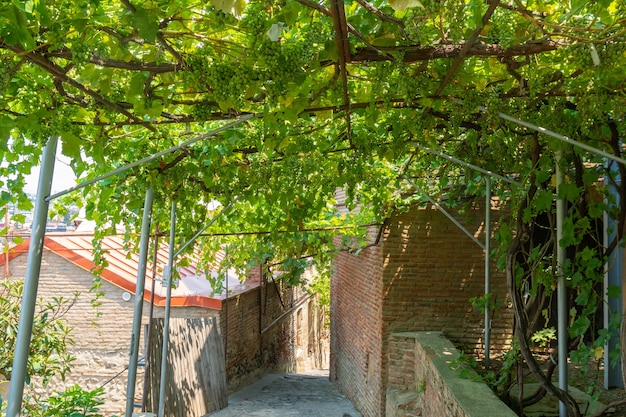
{"points": [[289, 395]]}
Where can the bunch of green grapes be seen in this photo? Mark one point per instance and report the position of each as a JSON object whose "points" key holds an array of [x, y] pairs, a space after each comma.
{"points": [[501, 29], [217, 77], [81, 53], [202, 111], [316, 33], [238, 86], [30, 99], [229, 81], [62, 124], [280, 63], [274, 71], [255, 20], [196, 70], [610, 54]]}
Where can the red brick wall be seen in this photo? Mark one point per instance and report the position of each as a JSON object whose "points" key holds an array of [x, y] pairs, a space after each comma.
{"points": [[419, 278], [261, 332], [432, 269], [356, 327]]}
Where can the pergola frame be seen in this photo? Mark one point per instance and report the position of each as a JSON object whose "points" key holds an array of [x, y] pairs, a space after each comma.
{"points": [[36, 250]]}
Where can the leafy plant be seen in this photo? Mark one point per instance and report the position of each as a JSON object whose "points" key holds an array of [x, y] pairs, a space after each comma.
{"points": [[72, 402], [544, 337], [50, 337], [346, 97]]}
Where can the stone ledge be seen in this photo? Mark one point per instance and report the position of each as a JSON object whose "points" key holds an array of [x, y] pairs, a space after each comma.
{"points": [[461, 396]]}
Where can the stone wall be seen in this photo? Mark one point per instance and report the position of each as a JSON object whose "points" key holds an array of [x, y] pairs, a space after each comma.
{"points": [[422, 381], [419, 277], [101, 334]]}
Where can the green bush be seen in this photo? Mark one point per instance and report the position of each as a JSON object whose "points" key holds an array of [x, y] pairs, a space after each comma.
{"points": [[51, 335], [73, 402]]}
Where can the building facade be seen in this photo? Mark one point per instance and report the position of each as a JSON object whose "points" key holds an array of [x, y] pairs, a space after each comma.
{"points": [[260, 322], [420, 276]]}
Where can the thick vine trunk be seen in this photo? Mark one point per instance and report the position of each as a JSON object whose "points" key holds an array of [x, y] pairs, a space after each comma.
{"points": [[522, 325]]}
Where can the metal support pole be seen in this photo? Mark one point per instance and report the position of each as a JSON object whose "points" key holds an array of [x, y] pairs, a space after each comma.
{"points": [[148, 341], [487, 269], [166, 320], [31, 280], [139, 289], [562, 313], [612, 277]]}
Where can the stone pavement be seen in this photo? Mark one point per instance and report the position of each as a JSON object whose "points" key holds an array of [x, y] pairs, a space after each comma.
{"points": [[289, 395]]}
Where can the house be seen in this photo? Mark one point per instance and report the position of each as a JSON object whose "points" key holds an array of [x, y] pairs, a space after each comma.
{"points": [[420, 276], [259, 320]]}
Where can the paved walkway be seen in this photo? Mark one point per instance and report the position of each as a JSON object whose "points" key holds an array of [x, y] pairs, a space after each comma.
{"points": [[289, 395]]}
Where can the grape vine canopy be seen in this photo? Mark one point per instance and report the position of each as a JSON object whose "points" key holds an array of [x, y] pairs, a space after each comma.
{"points": [[340, 92]]}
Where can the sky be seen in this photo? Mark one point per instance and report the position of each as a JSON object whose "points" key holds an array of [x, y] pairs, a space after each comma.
{"points": [[62, 178]]}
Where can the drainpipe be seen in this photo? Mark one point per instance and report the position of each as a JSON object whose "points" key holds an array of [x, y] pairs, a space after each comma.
{"points": [[166, 319], [139, 289], [562, 313], [31, 280]]}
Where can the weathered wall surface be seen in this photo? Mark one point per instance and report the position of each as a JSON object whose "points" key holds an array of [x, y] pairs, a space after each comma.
{"points": [[432, 270], [101, 334], [422, 382], [420, 277]]}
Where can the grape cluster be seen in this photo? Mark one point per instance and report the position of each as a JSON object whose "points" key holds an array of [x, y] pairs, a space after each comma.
{"points": [[282, 64], [217, 77], [255, 19], [229, 81], [81, 53], [316, 33], [62, 124], [501, 29], [196, 67]]}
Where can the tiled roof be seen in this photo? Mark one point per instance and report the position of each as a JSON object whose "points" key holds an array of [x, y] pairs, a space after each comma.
{"points": [[193, 288]]}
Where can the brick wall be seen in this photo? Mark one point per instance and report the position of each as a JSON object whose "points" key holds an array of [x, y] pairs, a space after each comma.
{"points": [[422, 381], [356, 327], [419, 278], [262, 327], [432, 269]]}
